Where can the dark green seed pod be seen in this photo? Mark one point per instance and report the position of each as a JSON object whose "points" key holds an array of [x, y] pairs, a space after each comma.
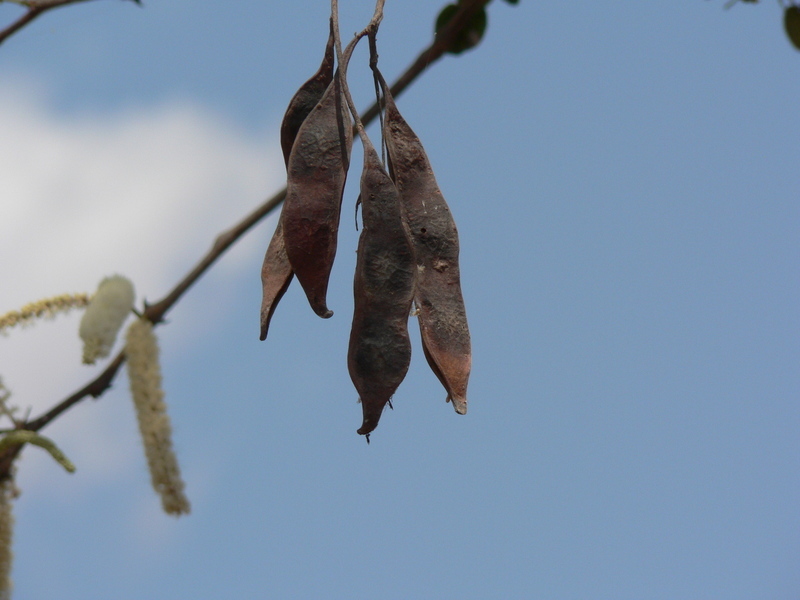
{"points": [[470, 36], [791, 23]]}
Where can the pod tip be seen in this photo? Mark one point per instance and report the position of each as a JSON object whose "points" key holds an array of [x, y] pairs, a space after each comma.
{"points": [[365, 429], [367, 426], [459, 404]]}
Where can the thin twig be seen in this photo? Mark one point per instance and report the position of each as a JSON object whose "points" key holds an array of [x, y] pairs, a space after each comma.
{"points": [[344, 58], [35, 8], [94, 388], [155, 312], [443, 40], [373, 64]]}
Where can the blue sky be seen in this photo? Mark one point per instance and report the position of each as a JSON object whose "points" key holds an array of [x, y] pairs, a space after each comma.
{"points": [[624, 178]]}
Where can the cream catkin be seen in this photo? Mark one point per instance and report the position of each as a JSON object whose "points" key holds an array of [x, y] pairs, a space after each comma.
{"points": [[6, 537], [104, 317], [46, 308], [144, 373]]}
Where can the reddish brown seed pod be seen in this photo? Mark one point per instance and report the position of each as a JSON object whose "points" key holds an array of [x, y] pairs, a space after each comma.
{"points": [[276, 272], [305, 99], [437, 294], [317, 170], [276, 275], [380, 349]]}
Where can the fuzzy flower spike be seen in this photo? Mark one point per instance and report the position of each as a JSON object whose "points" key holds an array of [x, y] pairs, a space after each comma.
{"points": [[47, 308], [104, 317], [144, 373], [7, 492]]}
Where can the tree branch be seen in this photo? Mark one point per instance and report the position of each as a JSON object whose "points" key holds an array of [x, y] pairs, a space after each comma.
{"points": [[35, 8], [445, 38], [94, 388], [155, 312]]}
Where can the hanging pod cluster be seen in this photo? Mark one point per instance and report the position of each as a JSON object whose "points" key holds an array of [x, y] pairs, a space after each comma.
{"points": [[407, 250]]}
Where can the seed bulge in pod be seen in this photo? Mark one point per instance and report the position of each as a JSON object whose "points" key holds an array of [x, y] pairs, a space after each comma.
{"points": [[276, 271], [380, 349], [317, 172], [437, 294]]}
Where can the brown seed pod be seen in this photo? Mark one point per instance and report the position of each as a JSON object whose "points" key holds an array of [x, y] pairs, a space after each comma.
{"points": [[380, 349], [305, 99], [276, 275], [276, 272], [437, 294], [317, 169]]}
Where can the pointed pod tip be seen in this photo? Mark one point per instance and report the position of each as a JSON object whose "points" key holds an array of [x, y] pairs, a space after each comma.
{"points": [[367, 426], [265, 319], [323, 311], [365, 430], [460, 405]]}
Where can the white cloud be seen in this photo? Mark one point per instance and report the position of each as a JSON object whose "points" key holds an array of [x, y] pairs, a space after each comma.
{"points": [[142, 193]]}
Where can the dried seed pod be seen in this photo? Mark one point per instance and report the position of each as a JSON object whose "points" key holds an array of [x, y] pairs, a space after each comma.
{"points": [[305, 99], [317, 172], [380, 349], [276, 272], [437, 294], [276, 275]]}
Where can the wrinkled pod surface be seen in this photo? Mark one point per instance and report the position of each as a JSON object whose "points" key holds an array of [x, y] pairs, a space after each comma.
{"points": [[317, 172], [380, 350], [437, 293], [276, 271]]}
